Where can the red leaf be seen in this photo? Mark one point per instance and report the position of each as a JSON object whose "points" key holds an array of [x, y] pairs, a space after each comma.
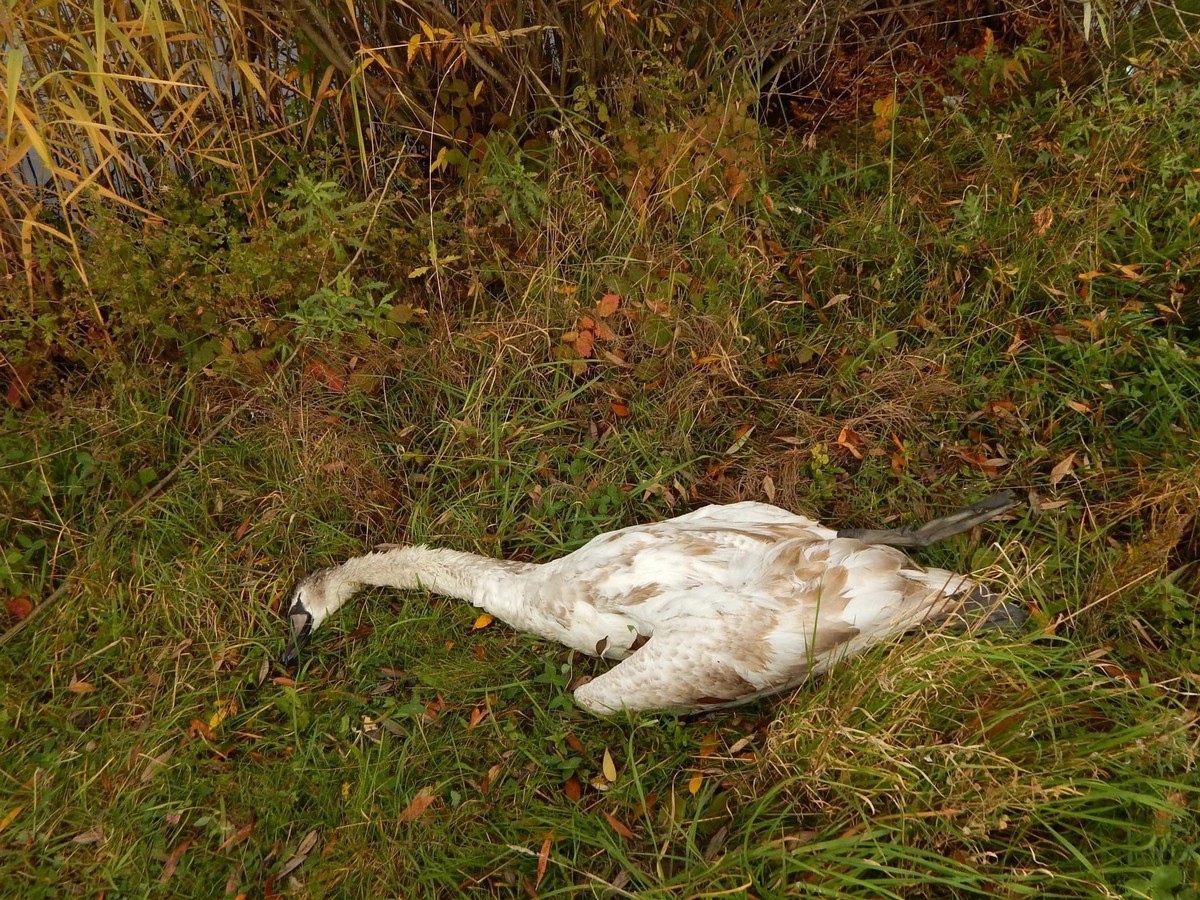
{"points": [[18, 607], [327, 375]]}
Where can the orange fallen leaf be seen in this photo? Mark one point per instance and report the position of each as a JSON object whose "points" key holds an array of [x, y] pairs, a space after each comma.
{"points": [[584, 343], [420, 802], [78, 686], [608, 305], [603, 332], [618, 826], [573, 789], [694, 783], [433, 708], [9, 816], [484, 620], [478, 714], [575, 743], [18, 607], [1079, 407], [198, 728], [543, 859], [849, 439], [620, 410]]}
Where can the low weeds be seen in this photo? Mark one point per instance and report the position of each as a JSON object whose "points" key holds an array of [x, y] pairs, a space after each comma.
{"points": [[880, 323]]}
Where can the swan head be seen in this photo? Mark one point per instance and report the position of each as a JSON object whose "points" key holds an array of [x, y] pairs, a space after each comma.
{"points": [[313, 600]]}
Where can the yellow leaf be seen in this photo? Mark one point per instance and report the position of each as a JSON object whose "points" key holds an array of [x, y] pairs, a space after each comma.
{"points": [[695, 782], [484, 620], [1079, 407], [609, 767], [224, 711], [414, 47], [9, 816]]}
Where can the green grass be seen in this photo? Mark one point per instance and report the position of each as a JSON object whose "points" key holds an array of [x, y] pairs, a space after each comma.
{"points": [[151, 746]]}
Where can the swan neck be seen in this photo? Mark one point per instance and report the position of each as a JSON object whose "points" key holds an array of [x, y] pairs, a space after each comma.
{"points": [[464, 576]]}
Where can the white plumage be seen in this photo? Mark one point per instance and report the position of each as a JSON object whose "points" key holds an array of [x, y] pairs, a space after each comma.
{"points": [[706, 610]]}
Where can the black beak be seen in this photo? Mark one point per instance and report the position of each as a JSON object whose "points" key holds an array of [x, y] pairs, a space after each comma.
{"points": [[301, 620]]}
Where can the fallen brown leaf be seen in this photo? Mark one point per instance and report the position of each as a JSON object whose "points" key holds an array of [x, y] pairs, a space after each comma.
{"points": [[199, 729], [420, 802], [543, 859], [237, 837], [305, 848], [1063, 469], [618, 826], [155, 764], [173, 860], [478, 714]]}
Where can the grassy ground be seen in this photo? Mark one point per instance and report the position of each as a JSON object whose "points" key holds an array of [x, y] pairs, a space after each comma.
{"points": [[911, 314]]}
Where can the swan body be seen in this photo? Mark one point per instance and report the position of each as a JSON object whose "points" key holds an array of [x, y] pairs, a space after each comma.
{"points": [[710, 609]]}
